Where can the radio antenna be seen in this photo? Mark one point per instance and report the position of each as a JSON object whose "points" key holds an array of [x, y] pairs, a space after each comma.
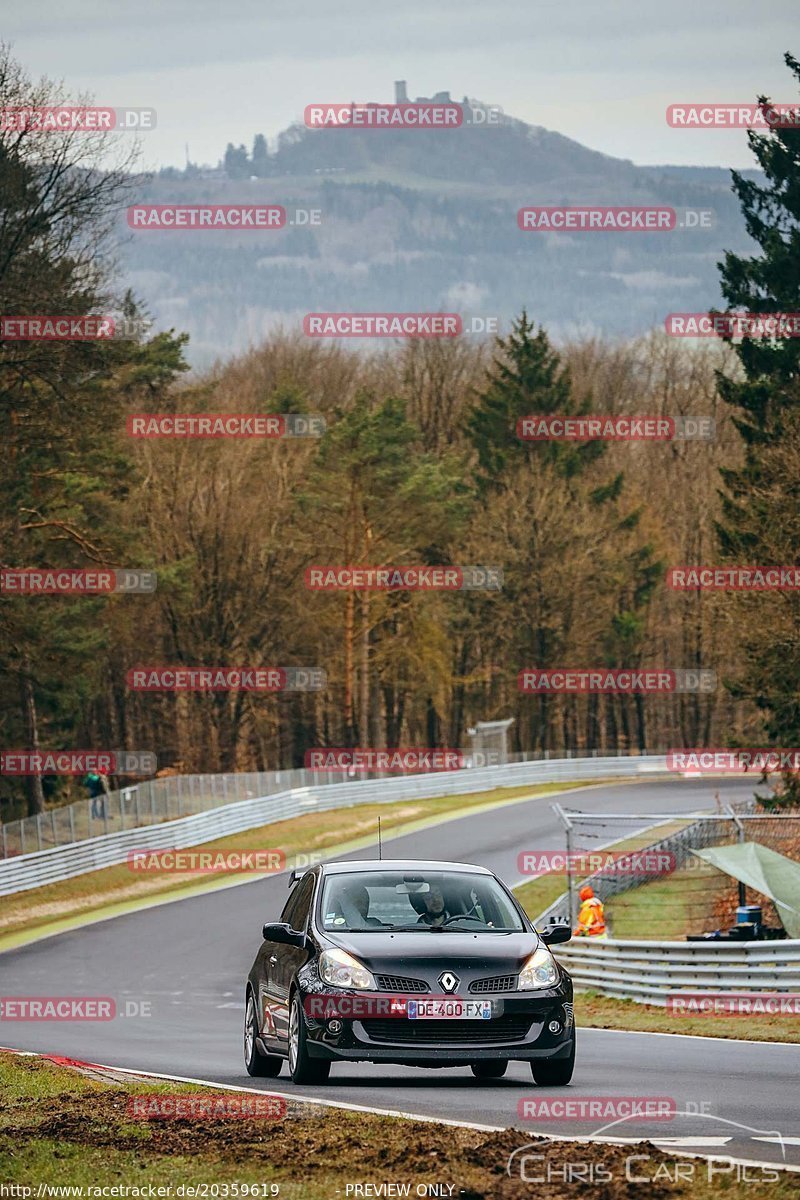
{"points": [[380, 847]]}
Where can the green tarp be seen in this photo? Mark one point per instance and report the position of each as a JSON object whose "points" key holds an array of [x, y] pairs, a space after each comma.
{"points": [[765, 871]]}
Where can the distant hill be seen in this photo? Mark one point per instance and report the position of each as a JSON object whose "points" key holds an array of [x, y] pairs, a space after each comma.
{"points": [[426, 221]]}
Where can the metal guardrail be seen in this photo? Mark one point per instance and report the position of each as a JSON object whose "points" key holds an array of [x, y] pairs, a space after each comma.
{"points": [[169, 797], [140, 804], [647, 971], [26, 871]]}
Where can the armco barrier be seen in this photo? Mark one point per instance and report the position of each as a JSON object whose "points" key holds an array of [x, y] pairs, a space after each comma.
{"points": [[168, 797], [26, 871], [647, 971]]}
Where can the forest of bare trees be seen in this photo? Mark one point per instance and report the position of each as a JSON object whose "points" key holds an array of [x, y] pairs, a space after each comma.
{"points": [[230, 526]]}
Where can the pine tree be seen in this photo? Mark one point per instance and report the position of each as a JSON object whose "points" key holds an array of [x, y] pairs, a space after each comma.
{"points": [[260, 156], [759, 524], [528, 379], [66, 468], [375, 497], [237, 164]]}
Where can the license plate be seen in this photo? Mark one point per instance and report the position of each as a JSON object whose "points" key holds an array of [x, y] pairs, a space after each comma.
{"points": [[449, 1010]]}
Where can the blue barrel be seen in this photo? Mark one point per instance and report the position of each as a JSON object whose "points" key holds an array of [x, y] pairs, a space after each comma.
{"points": [[748, 914]]}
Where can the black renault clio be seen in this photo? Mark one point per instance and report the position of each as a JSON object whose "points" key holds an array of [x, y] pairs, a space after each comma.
{"points": [[430, 964]]}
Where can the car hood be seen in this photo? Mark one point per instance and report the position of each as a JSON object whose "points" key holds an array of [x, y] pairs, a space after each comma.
{"points": [[407, 953]]}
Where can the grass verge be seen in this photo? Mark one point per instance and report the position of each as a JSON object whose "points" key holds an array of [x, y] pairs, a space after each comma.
{"points": [[684, 902], [541, 892], [595, 1011], [62, 1129], [670, 907]]}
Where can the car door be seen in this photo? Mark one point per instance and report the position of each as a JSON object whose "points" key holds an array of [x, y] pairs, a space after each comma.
{"points": [[283, 961]]}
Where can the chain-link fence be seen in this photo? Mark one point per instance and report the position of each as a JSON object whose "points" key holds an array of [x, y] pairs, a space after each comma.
{"points": [[156, 800], [682, 893], [146, 803]]}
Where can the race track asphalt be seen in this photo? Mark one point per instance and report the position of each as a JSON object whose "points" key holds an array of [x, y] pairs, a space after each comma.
{"points": [[187, 961]]}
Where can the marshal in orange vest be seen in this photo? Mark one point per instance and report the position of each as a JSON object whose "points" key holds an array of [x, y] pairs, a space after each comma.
{"points": [[591, 917]]}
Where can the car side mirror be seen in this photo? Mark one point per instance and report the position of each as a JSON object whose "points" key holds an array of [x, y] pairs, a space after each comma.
{"points": [[283, 934], [553, 935]]}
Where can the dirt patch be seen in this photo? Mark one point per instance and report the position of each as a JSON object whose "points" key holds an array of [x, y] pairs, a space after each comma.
{"points": [[328, 1148]]}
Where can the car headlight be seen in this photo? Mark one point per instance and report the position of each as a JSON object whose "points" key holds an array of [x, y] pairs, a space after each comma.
{"points": [[340, 969], [540, 971]]}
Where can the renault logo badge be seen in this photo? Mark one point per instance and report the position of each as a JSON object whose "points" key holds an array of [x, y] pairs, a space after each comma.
{"points": [[448, 981]]}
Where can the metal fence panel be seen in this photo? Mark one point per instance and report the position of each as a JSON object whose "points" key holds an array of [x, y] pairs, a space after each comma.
{"points": [[175, 796], [47, 865]]}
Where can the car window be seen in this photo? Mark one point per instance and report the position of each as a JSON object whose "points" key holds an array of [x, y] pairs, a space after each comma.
{"points": [[364, 900], [297, 907]]}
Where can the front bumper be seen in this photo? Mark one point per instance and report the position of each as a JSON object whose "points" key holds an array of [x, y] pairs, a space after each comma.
{"points": [[437, 1056], [519, 1031]]}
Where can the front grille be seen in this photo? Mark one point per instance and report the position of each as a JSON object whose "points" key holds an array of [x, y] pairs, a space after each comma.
{"points": [[494, 983], [450, 1033], [569, 1012], [400, 983]]}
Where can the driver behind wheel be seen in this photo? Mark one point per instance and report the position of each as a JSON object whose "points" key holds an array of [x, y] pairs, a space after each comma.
{"points": [[435, 911]]}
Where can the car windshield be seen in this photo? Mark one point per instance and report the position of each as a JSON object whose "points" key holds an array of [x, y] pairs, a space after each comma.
{"points": [[417, 900]]}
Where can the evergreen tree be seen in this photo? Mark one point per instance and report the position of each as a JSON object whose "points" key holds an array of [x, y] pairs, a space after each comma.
{"points": [[374, 497], [66, 469], [260, 156], [759, 524], [528, 379], [237, 164]]}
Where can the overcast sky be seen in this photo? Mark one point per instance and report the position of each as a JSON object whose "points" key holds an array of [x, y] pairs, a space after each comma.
{"points": [[599, 71]]}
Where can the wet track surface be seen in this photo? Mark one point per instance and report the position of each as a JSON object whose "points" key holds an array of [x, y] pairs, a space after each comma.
{"points": [[188, 960]]}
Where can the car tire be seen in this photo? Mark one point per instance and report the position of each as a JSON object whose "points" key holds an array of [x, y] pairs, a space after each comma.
{"points": [[257, 1063], [490, 1068], [302, 1067], [553, 1072]]}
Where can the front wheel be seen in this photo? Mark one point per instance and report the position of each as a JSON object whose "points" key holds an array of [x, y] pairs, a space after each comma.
{"points": [[302, 1067], [553, 1072], [490, 1068], [256, 1062]]}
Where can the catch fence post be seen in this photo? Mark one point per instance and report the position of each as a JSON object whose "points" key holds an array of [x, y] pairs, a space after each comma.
{"points": [[562, 816], [740, 838]]}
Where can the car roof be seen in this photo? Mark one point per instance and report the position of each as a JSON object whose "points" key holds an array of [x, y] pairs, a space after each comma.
{"points": [[399, 864]]}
